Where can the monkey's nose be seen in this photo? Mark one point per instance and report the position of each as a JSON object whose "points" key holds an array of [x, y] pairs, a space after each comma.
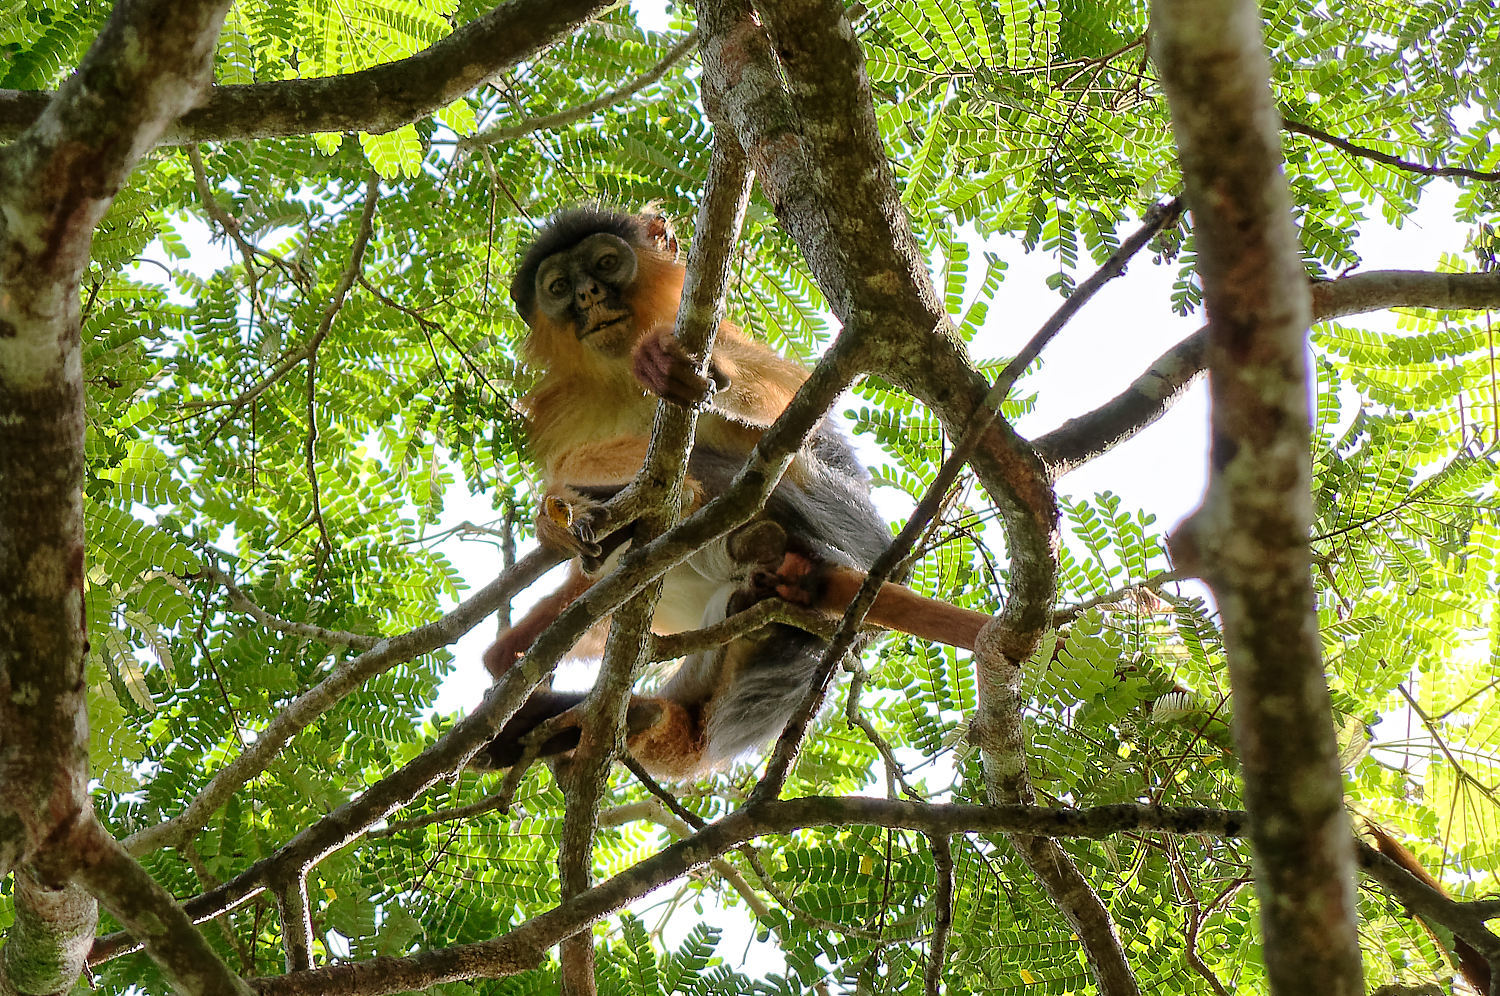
{"points": [[590, 294]]}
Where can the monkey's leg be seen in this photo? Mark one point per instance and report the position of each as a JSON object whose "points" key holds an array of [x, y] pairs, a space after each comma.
{"points": [[514, 642], [831, 587]]}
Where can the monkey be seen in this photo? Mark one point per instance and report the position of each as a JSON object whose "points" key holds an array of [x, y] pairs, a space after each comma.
{"points": [[599, 290]]}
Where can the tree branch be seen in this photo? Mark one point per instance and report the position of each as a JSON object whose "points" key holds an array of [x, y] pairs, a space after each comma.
{"points": [[377, 99], [547, 122], [1160, 216], [343, 680], [47, 944], [1002, 737], [1428, 903], [524, 946], [1249, 538], [57, 180], [1118, 420], [241, 601], [942, 913], [758, 616], [1363, 152], [96, 860], [290, 894]]}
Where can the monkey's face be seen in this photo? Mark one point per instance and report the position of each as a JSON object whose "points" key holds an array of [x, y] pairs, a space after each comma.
{"points": [[584, 288]]}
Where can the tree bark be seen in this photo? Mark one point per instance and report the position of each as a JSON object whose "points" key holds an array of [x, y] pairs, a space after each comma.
{"points": [[1249, 538]]}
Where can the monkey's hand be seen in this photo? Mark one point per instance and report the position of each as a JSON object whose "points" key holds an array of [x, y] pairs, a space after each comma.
{"points": [[665, 369], [797, 579]]}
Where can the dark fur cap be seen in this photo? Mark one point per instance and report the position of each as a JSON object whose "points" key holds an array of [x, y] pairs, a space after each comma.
{"points": [[572, 225]]}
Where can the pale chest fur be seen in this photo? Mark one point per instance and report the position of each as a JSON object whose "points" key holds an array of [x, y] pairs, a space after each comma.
{"points": [[584, 412]]}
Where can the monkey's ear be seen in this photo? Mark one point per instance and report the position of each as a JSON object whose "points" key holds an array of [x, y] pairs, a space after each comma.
{"points": [[659, 230]]}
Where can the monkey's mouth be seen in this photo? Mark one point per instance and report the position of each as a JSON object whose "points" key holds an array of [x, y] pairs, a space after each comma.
{"points": [[602, 323]]}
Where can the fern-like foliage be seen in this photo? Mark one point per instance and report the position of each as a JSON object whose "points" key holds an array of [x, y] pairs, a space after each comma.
{"points": [[322, 451]]}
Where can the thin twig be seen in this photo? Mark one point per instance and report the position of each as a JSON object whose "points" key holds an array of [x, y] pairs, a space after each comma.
{"points": [[942, 912], [758, 616], [438, 327], [335, 302], [489, 804], [1387, 158], [1070, 613], [231, 227], [547, 122], [241, 601], [1157, 218], [311, 453], [855, 716]]}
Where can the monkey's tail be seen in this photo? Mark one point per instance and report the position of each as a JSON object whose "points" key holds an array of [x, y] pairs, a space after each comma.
{"points": [[899, 608], [1472, 966]]}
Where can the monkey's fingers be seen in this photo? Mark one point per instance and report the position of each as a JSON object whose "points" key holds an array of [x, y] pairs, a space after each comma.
{"points": [[665, 369], [568, 526], [593, 562]]}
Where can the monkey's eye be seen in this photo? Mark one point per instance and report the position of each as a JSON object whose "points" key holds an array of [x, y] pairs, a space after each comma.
{"points": [[558, 287], [607, 262]]}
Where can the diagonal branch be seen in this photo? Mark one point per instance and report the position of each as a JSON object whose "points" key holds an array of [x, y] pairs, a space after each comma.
{"points": [[1462, 919], [96, 860], [1158, 217], [241, 601], [377, 99], [1153, 393], [659, 490], [343, 680]]}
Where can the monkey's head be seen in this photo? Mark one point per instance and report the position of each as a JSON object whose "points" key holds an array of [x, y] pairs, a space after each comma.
{"points": [[597, 279]]}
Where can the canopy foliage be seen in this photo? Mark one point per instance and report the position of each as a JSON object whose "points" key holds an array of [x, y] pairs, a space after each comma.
{"points": [[302, 374]]}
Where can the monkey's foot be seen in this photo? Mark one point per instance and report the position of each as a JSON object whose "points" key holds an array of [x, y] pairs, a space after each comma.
{"points": [[572, 523], [548, 724], [505, 651], [758, 542], [665, 369], [797, 578]]}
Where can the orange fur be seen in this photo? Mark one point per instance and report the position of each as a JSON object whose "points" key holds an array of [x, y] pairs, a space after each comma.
{"points": [[672, 747], [1472, 965], [898, 607], [589, 421]]}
